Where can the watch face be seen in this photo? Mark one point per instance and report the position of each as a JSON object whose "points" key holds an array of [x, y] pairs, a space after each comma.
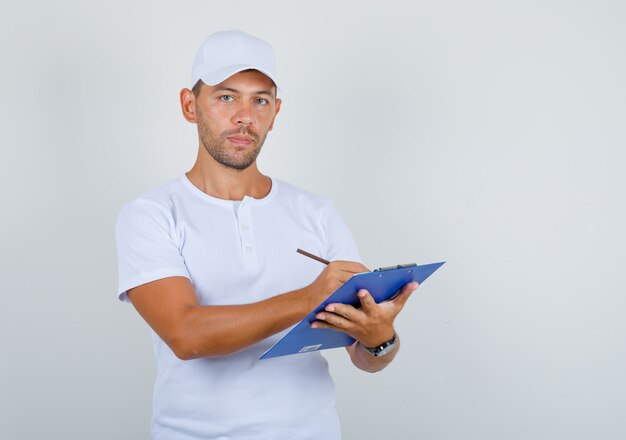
{"points": [[383, 349], [386, 350]]}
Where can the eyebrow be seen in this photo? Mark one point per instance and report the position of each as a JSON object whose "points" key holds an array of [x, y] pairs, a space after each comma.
{"points": [[229, 89]]}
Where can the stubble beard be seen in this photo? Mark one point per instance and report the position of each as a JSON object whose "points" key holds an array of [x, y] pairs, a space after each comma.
{"points": [[216, 146]]}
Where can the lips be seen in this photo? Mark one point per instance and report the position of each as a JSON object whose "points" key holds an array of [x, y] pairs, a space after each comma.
{"points": [[240, 140]]}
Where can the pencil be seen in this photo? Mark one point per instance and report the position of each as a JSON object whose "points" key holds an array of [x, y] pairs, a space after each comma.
{"points": [[315, 257]]}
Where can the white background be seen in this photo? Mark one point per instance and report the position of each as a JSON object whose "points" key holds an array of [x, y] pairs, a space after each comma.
{"points": [[489, 134]]}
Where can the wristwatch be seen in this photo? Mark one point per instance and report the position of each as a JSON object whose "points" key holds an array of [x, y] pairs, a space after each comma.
{"points": [[382, 349]]}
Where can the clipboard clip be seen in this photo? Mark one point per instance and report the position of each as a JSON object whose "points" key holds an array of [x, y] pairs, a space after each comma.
{"points": [[398, 266]]}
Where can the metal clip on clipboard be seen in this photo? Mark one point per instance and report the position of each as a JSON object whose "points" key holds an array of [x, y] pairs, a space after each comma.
{"points": [[399, 266]]}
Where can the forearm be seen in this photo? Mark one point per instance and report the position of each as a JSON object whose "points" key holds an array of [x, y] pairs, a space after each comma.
{"points": [[170, 306], [368, 362], [222, 330]]}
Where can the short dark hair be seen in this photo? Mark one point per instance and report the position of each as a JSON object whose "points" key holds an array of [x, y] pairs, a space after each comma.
{"points": [[198, 86]]}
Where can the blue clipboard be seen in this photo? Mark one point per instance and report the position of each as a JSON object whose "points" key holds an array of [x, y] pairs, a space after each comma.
{"points": [[382, 284]]}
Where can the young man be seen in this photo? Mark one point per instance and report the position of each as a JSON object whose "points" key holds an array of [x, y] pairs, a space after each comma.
{"points": [[209, 261]]}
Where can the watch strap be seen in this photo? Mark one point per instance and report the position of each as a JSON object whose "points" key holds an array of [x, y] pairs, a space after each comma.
{"points": [[383, 348]]}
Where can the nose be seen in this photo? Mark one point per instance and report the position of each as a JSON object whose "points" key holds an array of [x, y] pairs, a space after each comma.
{"points": [[243, 115]]}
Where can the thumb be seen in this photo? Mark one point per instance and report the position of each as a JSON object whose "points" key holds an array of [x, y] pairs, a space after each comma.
{"points": [[405, 293]]}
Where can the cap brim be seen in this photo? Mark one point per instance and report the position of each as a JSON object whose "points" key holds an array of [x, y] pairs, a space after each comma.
{"points": [[222, 74]]}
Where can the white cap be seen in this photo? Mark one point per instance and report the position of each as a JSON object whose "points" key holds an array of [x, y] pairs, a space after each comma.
{"points": [[225, 53]]}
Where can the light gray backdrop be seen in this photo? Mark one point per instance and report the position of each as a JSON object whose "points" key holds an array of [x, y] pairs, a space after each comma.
{"points": [[489, 134]]}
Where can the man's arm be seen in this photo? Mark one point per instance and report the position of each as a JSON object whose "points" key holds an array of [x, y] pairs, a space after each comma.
{"points": [[170, 306], [371, 325], [365, 361]]}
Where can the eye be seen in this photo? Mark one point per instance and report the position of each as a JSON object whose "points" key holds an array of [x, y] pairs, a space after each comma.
{"points": [[261, 101], [226, 98]]}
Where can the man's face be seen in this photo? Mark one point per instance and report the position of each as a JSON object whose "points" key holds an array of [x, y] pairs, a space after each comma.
{"points": [[235, 116]]}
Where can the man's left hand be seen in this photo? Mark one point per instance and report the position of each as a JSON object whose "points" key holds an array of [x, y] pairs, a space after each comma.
{"points": [[372, 323]]}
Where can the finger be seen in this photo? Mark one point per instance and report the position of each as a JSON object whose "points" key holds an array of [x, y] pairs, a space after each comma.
{"points": [[345, 310], [350, 266], [367, 301], [361, 268], [404, 294], [322, 324], [334, 320], [326, 325], [345, 276]]}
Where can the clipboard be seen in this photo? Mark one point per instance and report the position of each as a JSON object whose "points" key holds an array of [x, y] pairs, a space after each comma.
{"points": [[383, 284]]}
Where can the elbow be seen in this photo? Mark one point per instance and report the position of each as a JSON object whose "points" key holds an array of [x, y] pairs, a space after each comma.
{"points": [[184, 355], [368, 366], [183, 348], [186, 349], [181, 352], [182, 340], [371, 368]]}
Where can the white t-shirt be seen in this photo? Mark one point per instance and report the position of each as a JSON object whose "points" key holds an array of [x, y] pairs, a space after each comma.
{"points": [[235, 252]]}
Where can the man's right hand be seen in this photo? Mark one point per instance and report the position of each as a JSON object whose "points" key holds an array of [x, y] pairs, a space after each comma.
{"points": [[331, 279]]}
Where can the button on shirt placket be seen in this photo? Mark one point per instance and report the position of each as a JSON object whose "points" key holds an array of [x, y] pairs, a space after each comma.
{"points": [[248, 251]]}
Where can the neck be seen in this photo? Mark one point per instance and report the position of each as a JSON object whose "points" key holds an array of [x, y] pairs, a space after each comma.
{"points": [[226, 183]]}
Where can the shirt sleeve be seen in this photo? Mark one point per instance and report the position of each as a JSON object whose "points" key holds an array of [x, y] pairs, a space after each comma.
{"points": [[338, 239], [146, 246]]}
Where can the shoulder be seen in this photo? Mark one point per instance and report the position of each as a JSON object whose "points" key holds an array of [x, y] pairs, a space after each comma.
{"points": [[157, 204], [290, 193]]}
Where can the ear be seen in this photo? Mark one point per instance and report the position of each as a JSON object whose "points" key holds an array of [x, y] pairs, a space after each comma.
{"points": [[278, 103], [188, 105]]}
